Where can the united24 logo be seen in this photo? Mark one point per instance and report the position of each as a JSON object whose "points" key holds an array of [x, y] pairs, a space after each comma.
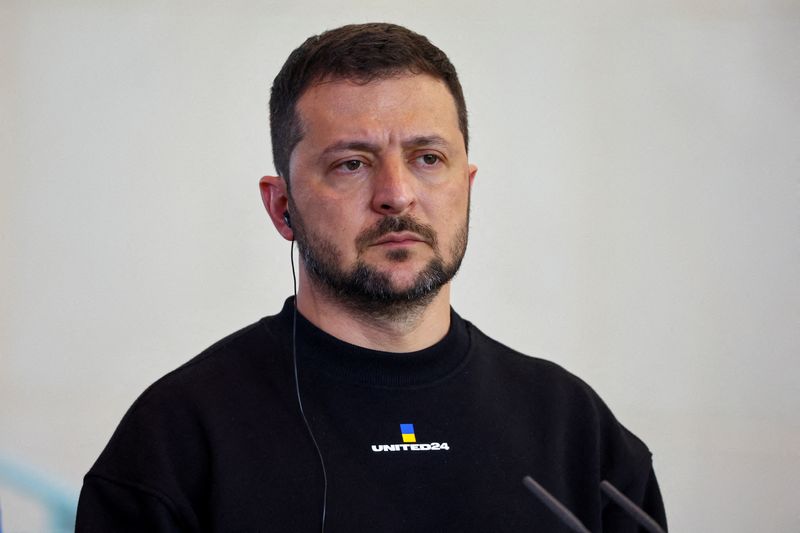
{"points": [[410, 443]]}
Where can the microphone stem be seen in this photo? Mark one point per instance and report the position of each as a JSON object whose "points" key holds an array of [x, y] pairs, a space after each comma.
{"points": [[644, 519]]}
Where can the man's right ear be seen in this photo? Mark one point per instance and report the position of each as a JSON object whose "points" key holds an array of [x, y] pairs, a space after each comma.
{"points": [[276, 201]]}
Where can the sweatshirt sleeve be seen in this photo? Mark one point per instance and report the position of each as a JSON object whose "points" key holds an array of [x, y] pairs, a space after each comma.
{"points": [[652, 503], [107, 505]]}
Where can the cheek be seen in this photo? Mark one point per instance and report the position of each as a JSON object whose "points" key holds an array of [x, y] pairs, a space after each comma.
{"points": [[343, 219], [450, 204], [331, 214], [339, 221]]}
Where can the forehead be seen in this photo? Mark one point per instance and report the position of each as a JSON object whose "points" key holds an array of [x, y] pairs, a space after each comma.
{"points": [[390, 108]]}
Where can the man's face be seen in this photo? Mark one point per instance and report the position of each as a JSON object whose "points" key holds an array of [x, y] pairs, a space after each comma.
{"points": [[380, 190]]}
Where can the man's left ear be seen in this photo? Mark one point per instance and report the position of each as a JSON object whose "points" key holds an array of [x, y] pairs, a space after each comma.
{"points": [[472, 171], [276, 202]]}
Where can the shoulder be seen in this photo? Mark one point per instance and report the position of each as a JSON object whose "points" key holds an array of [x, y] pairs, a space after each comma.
{"points": [[555, 398], [166, 443], [254, 351], [531, 372], [175, 414]]}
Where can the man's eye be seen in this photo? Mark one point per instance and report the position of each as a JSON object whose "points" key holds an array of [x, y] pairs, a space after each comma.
{"points": [[352, 165], [430, 159]]}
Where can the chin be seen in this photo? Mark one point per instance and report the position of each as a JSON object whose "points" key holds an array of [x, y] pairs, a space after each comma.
{"points": [[403, 277]]}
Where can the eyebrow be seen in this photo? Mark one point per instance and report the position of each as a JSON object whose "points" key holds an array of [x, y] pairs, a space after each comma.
{"points": [[425, 140], [343, 146], [418, 141]]}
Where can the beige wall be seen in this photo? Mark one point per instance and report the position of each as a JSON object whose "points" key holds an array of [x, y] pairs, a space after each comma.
{"points": [[636, 216]]}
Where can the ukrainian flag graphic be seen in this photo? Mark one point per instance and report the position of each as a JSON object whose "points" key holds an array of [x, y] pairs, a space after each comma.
{"points": [[407, 431]]}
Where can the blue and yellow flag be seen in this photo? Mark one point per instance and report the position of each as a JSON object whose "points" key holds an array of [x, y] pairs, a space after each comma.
{"points": [[407, 431]]}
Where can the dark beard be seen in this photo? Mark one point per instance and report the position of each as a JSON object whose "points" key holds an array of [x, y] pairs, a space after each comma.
{"points": [[365, 290]]}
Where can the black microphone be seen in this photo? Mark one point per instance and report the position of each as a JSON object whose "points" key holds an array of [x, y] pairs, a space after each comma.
{"points": [[644, 519], [554, 505]]}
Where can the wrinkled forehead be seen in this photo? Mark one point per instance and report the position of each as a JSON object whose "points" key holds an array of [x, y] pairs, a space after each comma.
{"points": [[399, 104]]}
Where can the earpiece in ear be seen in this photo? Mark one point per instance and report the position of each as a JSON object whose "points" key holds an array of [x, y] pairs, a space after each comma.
{"points": [[287, 219]]}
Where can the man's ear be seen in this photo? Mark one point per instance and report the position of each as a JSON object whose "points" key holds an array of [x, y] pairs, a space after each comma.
{"points": [[473, 170], [276, 201]]}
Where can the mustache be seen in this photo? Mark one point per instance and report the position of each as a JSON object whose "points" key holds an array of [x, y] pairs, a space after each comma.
{"points": [[395, 225]]}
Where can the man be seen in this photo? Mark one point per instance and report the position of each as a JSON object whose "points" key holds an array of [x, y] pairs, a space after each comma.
{"points": [[366, 404]]}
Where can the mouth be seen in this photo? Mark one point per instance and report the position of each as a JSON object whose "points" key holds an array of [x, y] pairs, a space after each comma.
{"points": [[402, 238], [400, 232]]}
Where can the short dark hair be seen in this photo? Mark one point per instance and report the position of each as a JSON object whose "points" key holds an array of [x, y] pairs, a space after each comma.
{"points": [[361, 52]]}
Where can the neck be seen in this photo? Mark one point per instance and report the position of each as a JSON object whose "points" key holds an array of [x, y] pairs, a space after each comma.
{"points": [[416, 329]]}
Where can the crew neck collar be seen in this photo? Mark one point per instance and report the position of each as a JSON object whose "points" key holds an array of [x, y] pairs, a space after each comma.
{"points": [[375, 368]]}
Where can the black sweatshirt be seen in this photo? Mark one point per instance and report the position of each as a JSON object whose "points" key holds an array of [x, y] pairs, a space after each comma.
{"points": [[431, 441]]}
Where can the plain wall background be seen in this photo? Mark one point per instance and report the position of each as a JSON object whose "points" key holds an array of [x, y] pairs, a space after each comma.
{"points": [[636, 216]]}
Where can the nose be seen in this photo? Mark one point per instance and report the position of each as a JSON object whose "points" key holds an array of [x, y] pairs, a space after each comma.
{"points": [[393, 188]]}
